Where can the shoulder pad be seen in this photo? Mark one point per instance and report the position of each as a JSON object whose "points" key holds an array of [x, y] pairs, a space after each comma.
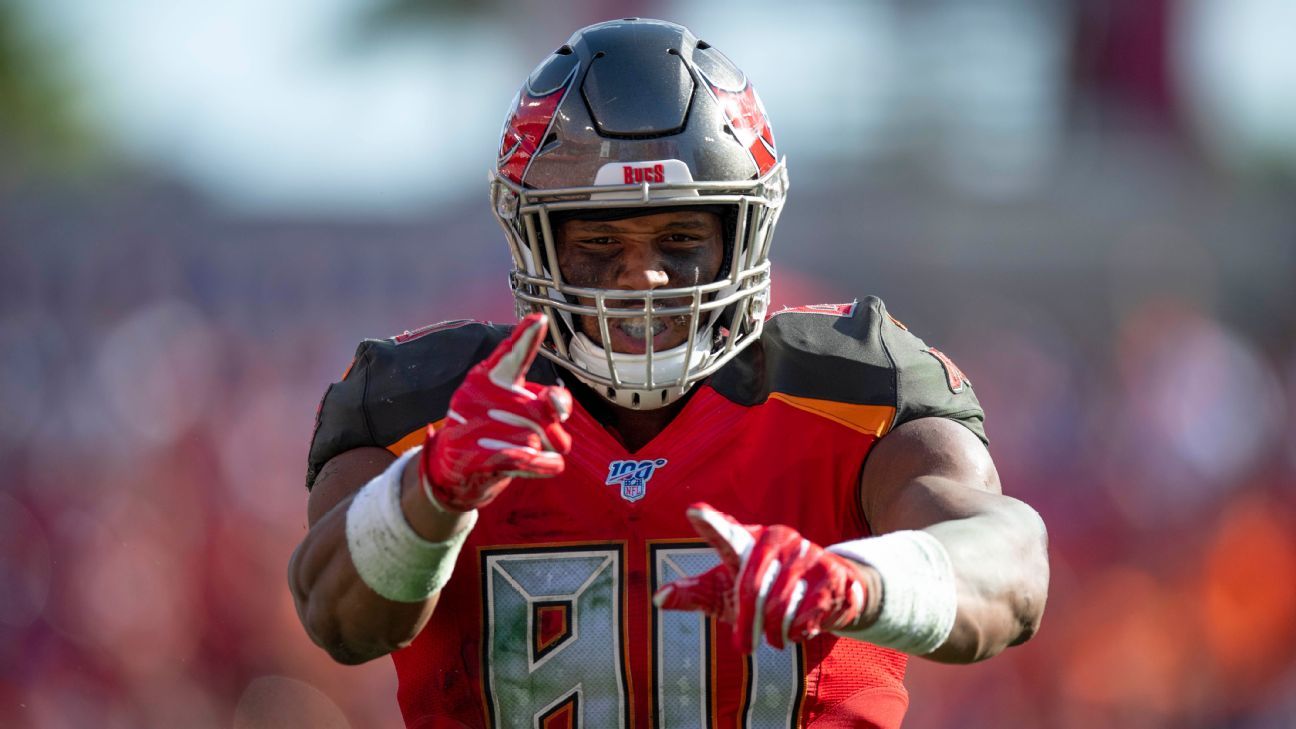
{"points": [[854, 354], [398, 385], [825, 351]]}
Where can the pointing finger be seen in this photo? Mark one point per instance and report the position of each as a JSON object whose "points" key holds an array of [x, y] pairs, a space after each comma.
{"points": [[511, 359], [732, 540]]}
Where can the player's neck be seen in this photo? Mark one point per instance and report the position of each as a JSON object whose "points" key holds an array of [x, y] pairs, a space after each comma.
{"points": [[632, 428]]}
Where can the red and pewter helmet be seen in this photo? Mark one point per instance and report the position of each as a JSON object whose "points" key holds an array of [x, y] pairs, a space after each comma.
{"points": [[627, 117]]}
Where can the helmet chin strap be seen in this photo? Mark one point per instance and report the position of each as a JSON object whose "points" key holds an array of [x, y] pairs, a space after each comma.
{"points": [[668, 366]]}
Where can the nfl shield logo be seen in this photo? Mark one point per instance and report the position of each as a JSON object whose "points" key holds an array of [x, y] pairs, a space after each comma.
{"points": [[632, 476]]}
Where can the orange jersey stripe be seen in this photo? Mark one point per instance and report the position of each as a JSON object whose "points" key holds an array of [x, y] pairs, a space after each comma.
{"points": [[868, 419], [413, 438]]}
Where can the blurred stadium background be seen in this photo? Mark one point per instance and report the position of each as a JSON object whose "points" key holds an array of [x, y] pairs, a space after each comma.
{"points": [[1090, 204]]}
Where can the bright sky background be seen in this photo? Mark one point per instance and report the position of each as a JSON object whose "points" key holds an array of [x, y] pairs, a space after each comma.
{"points": [[262, 103], [263, 106]]}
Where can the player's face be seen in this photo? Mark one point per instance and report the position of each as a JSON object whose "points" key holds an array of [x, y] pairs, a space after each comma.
{"points": [[647, 252]]}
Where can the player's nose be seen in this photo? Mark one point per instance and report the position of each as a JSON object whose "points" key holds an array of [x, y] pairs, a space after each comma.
{"points": [[642, 269]]}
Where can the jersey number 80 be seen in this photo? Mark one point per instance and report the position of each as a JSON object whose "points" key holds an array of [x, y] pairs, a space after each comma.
{"points": [[555, 645]]}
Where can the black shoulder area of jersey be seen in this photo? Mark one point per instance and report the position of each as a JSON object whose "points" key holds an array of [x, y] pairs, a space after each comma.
{"points": [[398, 385], [857, 354]]}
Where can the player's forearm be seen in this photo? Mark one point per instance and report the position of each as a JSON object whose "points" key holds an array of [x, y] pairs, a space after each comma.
{"points": [[964, 569], [961, 573], [1000, 561], [340, 612]]}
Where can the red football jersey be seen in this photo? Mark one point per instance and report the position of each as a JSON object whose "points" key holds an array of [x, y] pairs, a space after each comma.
{"points": [[548, 621]]}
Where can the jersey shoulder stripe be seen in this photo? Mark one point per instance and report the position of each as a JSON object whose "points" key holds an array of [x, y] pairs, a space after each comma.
{"points": [[854, 363]]}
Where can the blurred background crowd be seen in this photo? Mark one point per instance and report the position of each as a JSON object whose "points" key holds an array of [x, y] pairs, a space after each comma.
{"points": [[1089, 204]]}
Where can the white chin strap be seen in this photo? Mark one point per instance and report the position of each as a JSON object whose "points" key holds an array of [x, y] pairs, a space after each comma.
{"points": [[668, 366]]}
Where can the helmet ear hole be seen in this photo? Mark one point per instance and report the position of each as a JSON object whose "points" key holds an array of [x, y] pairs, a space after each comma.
{"points": [[634, 399]]}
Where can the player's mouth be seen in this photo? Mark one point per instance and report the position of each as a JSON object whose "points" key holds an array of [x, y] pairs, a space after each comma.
{"points": [[628, 335]]}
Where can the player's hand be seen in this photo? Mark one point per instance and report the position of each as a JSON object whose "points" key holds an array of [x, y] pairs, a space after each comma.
{"points": [[499, 426], [770, 580]]}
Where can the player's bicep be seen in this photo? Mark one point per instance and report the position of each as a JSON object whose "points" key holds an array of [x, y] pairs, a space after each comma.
{"points": [[926, 471], [343, 475]]}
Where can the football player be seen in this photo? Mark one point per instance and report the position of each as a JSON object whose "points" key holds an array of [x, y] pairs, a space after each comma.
{"points": [[651, 502]]}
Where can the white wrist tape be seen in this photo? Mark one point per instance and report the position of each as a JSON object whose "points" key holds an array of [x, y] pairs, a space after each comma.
{"points": [[389, 555], [919, 603]]}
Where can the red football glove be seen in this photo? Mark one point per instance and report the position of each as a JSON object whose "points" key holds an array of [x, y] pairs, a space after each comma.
{"points": [[770, 579], [498, 426]]}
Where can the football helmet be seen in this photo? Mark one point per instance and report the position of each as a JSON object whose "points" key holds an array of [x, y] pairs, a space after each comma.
{"points": [[632, 117]]}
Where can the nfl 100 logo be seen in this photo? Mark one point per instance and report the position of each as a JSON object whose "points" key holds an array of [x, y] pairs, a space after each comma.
{"points": [[632, 476]]}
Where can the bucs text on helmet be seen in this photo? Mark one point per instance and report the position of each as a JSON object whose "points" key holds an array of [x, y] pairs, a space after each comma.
{"points": [[632, 117]]}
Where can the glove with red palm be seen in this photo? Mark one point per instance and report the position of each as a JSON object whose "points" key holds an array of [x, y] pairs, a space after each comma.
{"points": [[770, 580], [499, 426]]}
